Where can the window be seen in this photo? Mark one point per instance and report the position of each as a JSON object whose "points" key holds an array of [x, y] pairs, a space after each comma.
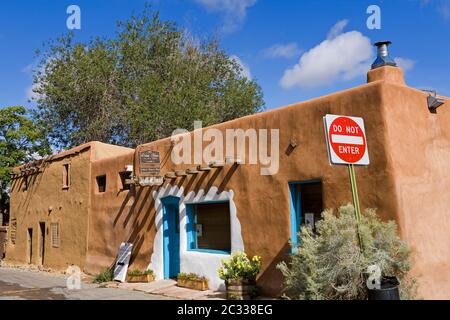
{"points": [[209, 227], [66, 176], [101, 184], [125, 180], [55, 235], [13, 230], [306, 206]]}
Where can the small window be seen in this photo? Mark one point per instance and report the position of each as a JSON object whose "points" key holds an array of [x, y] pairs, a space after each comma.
{"points": [[101, 184], [13, 230], [66, 176], [55, 235], [210, 228], [125, 180]]}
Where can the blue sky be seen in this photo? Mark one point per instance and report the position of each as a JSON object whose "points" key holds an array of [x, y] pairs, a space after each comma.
{"points": [[296, 50]]}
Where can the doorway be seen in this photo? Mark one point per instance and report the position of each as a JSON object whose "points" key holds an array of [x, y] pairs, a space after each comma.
{"points": [[306, 206], [171, 237], [30, 245], [41, 243]]}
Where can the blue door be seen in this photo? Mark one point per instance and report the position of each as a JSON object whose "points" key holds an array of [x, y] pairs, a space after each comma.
{"points": [[171, 235]]}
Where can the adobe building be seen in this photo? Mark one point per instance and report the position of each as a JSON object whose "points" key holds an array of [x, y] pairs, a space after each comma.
{"points": [[50, 205], [187, 217]]}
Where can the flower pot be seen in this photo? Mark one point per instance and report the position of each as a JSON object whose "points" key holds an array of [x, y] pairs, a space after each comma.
{"points": [[140, 278], [239, 289], [388, 290], [196, 284]]}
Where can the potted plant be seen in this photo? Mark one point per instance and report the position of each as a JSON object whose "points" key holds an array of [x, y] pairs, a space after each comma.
{"points": [[137, 275], [239, 274], [192, 281]]}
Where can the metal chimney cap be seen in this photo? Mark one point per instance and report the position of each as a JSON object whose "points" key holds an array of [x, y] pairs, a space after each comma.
{"points": [[383, 58], [380, 43]]}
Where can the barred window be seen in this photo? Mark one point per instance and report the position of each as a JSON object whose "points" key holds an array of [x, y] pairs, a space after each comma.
{"points": [[13, 230], [55, 235]]}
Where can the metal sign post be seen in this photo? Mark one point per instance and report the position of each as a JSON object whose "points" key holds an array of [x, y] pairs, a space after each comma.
{"points": [[347, 144]]}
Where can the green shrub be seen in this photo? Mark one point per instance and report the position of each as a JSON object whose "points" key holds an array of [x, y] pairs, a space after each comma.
{"points": [[138, 272], [239, 266], [148, 272], [330, 265], [135, 272], [189, 276], [104, 276]]}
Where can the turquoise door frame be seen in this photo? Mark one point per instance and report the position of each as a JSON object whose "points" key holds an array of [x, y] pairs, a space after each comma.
{"points": [[171, 236], [295, 197]]}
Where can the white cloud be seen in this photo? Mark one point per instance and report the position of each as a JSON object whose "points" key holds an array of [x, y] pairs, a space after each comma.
{"points": [[444, 9], [245, 68], [234, 11], [442, 6], [344, 57], [337, 29], [287, 51], [404, 63]]}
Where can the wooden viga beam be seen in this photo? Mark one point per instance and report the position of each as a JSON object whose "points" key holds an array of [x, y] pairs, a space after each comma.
{"points": [[217, 164], [170, 175], [180, 173], [192, 171]]}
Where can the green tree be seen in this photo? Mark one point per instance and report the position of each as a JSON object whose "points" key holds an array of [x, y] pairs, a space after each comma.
{"points": [[21, 140], [138, 86]]}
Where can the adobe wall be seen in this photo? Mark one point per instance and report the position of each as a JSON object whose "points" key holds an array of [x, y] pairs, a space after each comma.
{"points": [[46, 201], [117, 216], [418, 142]]}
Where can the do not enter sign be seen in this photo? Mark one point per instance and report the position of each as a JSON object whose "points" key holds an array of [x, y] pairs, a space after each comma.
{"points": [[346, 140]]}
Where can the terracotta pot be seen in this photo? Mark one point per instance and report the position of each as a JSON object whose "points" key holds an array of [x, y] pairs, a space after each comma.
{"points": [[200, 285], [140, 278], [240, 289]]}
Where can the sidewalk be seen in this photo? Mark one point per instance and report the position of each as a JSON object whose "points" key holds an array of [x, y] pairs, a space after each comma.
{"points": [[168, 288]]}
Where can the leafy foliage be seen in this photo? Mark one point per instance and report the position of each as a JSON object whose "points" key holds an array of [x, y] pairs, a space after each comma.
{"points": [[138, 272], [139, 86], [21, 140], [239, 266], [189, 276], [104, 276], [329, 264]]}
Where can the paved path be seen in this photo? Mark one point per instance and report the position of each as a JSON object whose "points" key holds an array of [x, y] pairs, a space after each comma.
{"points": [[26, 285]]}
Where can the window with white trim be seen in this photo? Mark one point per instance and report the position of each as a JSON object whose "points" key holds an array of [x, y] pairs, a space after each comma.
{"points": [[209, 227]]}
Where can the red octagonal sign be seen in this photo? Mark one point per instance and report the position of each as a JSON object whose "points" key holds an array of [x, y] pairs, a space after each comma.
{"points": [[346, 140]]}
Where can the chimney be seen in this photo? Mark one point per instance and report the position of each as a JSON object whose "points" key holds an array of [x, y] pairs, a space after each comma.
{"points": [[384, 67], [383, 58]]}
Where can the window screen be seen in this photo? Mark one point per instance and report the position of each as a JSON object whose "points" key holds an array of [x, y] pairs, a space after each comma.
{"points": [[13, 230], [212, 229], [55, 235]]}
